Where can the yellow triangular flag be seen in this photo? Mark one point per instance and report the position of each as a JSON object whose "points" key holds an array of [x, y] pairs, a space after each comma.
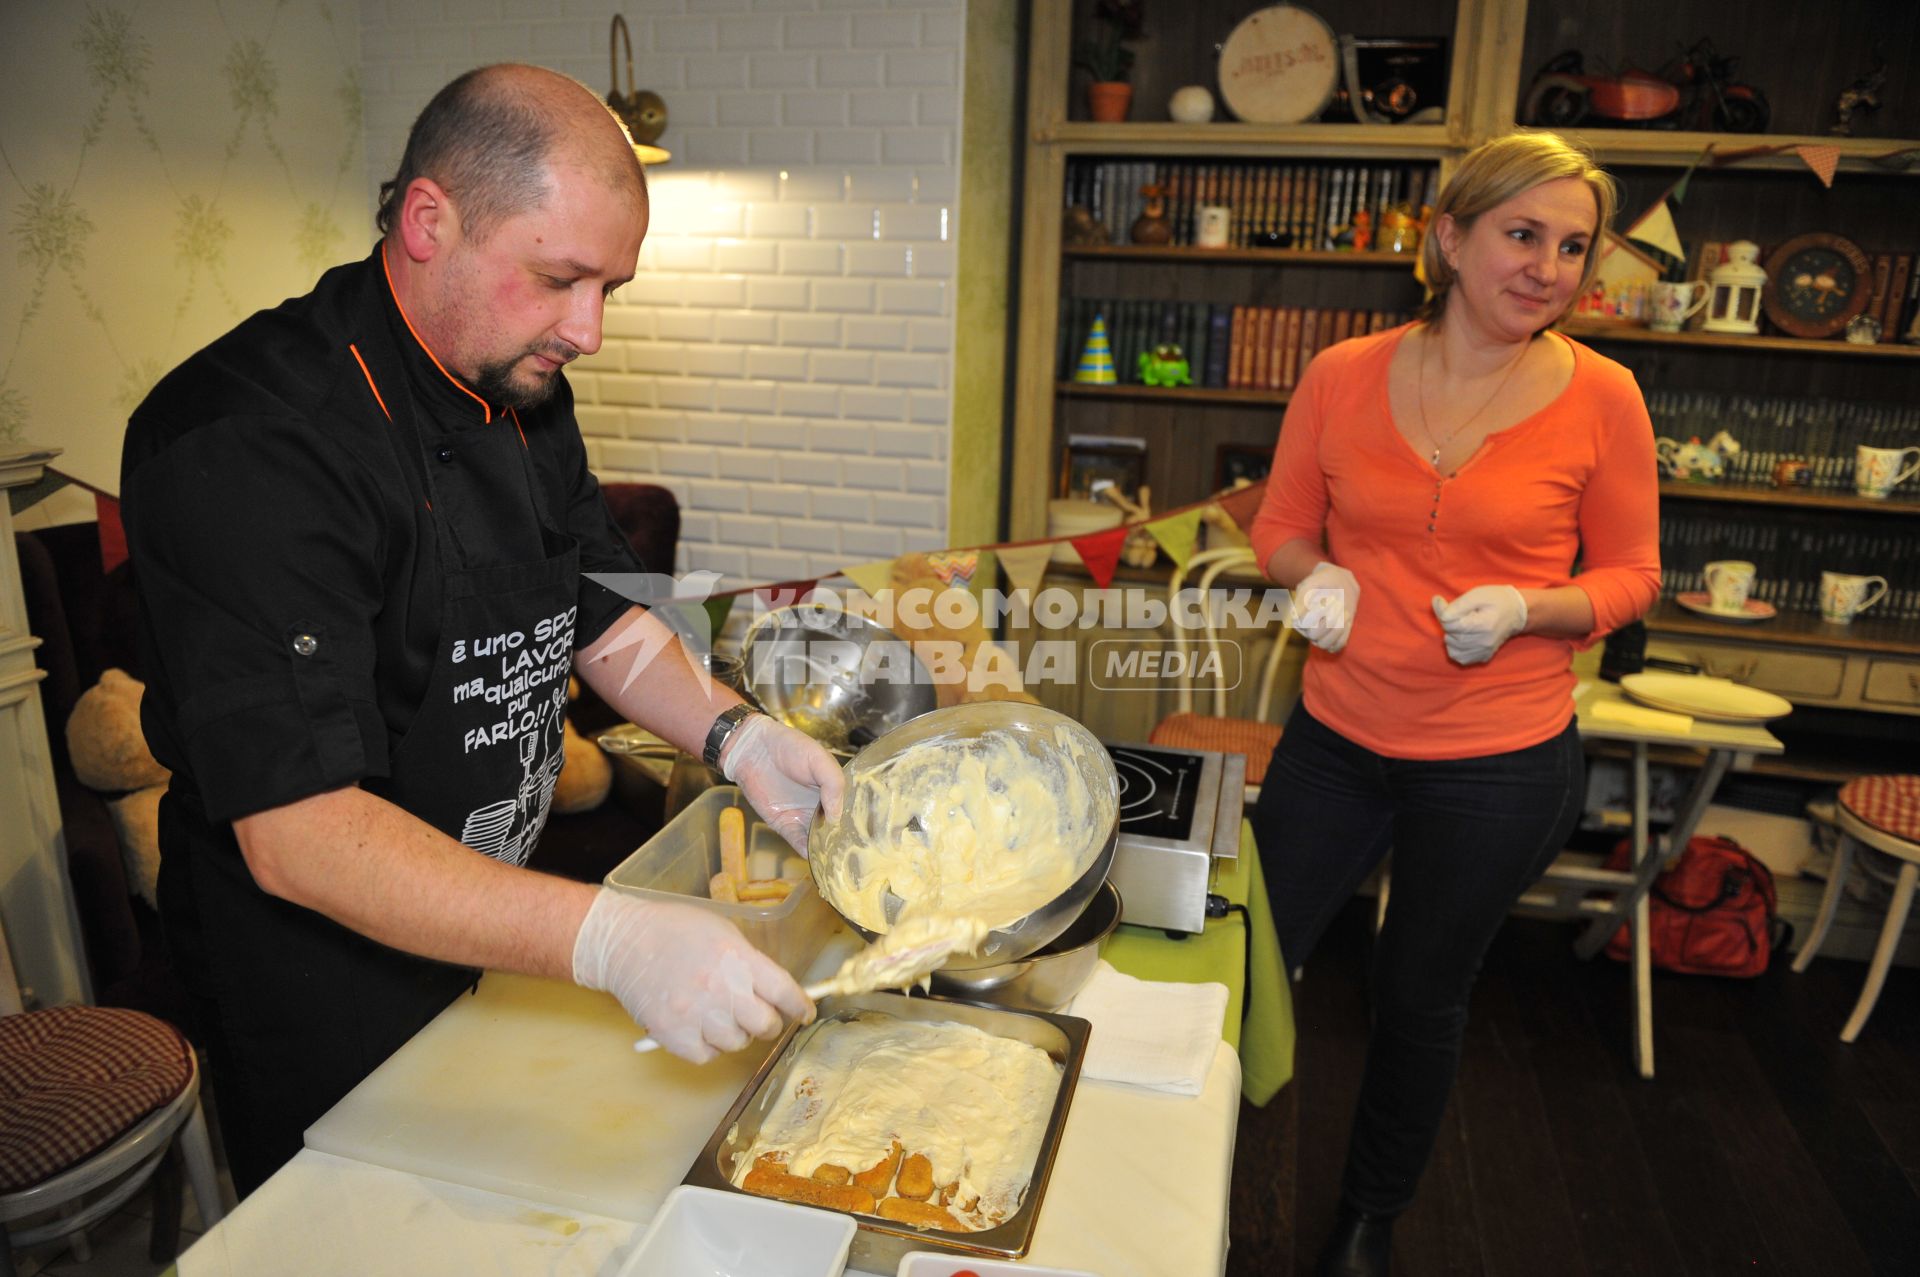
{"points": [[1025, 565], [871, 577], [1656, 227], [1176, 533]]}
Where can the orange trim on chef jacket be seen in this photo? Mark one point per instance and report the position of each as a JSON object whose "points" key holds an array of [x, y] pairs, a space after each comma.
{"points": [[517, 426], [485, 407], [368, 374]]}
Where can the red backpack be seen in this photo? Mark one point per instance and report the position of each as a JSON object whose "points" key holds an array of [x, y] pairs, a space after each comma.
{"points": [[1712, 913]]}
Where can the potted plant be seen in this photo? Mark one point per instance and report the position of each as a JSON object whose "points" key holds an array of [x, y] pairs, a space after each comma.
{"points": [[1107, 58]]}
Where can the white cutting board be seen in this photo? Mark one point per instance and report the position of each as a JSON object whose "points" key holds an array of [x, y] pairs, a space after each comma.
{"points": [[532, 1088]]}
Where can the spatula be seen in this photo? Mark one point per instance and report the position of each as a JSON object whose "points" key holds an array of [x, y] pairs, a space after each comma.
{"points": [[894, 961]]}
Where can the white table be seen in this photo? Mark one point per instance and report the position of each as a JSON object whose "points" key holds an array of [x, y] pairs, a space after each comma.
{"points": [[520, 1133], [1610, 897]]}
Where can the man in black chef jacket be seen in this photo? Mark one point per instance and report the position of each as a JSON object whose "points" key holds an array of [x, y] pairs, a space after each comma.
{"points": [[359, 523]]}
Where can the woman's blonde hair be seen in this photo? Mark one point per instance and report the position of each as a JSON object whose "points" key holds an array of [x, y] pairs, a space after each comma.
{"points": [[1493, 173]]}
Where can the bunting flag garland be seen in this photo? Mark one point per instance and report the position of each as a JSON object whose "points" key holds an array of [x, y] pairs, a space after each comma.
{"points": [[872, 578], [1100, 551], [785, 593], [955, 567], [1242, 504], [1655, 229], [1025, 565], [717, 608], [1176, 534], [1822, 159]]}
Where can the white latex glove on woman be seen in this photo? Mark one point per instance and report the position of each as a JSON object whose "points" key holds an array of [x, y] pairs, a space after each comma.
{"points": [[785, 774], [1480, 620], [687, 975], [1323, 606]]}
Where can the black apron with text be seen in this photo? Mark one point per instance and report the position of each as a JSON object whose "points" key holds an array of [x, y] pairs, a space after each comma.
{"points": [[302, 1008]]}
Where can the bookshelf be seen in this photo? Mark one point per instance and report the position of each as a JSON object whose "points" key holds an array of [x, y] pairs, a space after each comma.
{"points": [[1800, 55]]}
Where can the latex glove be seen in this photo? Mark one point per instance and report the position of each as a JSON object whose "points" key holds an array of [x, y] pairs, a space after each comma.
{"points": [[1480, 620], [687, 975], [1323, 606], [785, 774]]}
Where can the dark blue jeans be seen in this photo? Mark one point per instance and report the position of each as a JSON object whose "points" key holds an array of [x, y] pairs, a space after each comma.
{"points": [[1468, 836]]}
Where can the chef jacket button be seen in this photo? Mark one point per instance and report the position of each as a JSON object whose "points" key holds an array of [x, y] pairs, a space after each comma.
{"points": [[1429, 527], [305, 644], [445, 454]]}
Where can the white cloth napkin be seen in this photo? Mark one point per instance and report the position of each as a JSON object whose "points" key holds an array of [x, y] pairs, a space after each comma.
{"points": [[1151, 1034]]}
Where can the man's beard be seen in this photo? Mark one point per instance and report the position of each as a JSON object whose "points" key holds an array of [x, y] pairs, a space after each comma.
{"points": [[497, 384]]}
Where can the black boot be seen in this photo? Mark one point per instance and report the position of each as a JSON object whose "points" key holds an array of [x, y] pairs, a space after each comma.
{"points": [[1359, 1246]]}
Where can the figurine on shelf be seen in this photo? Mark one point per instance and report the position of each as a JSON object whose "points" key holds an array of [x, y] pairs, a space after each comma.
{"points": [[1141, 549], [1152, 226], [1165, 365], [1363, 231], [1082, 229], [1862, 95], [1400, 229]]}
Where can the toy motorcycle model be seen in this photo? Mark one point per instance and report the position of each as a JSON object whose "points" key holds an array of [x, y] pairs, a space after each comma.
{"points": [[1695, 90]]}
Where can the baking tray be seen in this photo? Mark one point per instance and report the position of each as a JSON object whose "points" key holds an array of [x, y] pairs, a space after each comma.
{"points": [[880, 1244]]}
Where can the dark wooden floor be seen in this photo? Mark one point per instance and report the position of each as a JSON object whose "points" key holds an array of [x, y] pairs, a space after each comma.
{"points": [[1763, 1145]]}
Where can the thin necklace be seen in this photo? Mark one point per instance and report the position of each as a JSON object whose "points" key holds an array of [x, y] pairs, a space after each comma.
{"points": [[1421, 397]]}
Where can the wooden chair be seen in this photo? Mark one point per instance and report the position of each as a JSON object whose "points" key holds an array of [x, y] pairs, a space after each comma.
{"points": [[92, 1101], [1882, 812], [1187, 728]]}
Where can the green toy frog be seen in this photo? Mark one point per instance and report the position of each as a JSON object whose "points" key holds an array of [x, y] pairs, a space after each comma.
{"points": [[1164, 365]]}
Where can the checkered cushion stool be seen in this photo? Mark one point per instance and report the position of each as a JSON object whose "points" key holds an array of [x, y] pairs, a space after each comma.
{"points": [[1884, 813], [91, 1100]]}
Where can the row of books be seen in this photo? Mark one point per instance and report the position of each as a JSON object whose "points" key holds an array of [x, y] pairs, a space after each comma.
{"points": [[1227, 347], [1822, 432], [1790, 558], [1274, 204]]}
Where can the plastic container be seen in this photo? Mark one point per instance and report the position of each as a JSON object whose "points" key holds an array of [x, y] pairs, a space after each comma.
{"points": [[700, 1231], [679, 862]]}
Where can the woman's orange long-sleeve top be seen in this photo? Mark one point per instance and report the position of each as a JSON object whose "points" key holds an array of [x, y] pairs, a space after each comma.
{"points": [[1576, 480]]}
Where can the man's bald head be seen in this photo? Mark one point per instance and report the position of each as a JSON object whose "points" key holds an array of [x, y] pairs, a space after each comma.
{"points": [[494, 138]]}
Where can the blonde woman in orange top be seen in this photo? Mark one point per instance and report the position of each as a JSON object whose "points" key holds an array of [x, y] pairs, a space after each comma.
{"points": [[1458, 505]]}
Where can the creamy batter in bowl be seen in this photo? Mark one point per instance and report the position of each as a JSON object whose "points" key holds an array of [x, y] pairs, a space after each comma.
{"points": [[998, 810]]}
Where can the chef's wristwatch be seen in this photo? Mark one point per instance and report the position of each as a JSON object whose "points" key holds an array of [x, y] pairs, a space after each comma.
{"points": [[723, 728]]}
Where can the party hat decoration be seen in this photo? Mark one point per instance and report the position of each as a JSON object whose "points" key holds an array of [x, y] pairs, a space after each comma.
{"points": [[1096, 361]]}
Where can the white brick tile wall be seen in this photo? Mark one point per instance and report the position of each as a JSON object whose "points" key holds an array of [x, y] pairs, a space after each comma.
{"points": [[782, 362]]}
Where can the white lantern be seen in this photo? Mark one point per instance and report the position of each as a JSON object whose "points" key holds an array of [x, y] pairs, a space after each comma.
{"points": [[1734, 306]]}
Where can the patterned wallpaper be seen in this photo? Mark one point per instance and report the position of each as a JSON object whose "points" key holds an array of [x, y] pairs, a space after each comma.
{"points": [[165, 170]]}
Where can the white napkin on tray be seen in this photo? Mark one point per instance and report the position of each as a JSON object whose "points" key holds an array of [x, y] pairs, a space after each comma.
{"points": [[1148, 1033]]}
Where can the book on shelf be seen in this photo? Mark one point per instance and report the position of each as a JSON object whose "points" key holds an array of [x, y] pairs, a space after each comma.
{"points": [[1237, 348], [1290, 348], [1219, 332], [1894, 303], [1262, 347], [1877, 295]]}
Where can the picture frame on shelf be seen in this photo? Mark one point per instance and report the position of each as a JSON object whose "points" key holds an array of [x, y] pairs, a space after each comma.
{"points": [[1233, 462], [1090, 465], [1815, 284]]}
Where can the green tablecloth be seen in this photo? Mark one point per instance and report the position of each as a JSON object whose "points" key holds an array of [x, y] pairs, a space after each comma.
{"points": [[1253, 975]]}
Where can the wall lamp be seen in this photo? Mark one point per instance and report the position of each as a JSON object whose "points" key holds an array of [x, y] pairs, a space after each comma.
{"points": [[642, 112]]}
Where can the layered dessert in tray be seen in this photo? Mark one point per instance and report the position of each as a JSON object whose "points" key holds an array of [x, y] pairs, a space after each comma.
{"points": [[933, 1124]]}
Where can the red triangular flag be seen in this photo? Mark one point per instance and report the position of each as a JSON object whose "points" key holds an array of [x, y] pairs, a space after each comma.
{"points": [[1242, 504], [1823, 160], [113, 537], [785, 593], [1100, 551]]}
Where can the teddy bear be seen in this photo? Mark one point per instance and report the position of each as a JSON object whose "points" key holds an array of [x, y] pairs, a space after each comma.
{"points": [[110, 757]]}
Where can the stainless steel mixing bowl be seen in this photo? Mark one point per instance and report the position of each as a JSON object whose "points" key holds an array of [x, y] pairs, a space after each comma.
{"points": [[840, 678], [959, 729], [1047, 979]]}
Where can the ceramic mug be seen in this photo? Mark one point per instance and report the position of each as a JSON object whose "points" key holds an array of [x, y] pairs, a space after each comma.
{"points": [[1674, 304], [1842, 595], [1877, 472], [1728, 583], [1216, 220]]}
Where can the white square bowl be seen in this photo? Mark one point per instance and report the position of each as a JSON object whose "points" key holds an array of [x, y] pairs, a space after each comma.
{"points": [[931, 1263], [701, 1232]]}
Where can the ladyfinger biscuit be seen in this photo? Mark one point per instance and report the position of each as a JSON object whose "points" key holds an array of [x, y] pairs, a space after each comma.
{"points": [[876, 1178], [916, 1178], [793, 1188], [904, 1210], [828, 1173]]}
